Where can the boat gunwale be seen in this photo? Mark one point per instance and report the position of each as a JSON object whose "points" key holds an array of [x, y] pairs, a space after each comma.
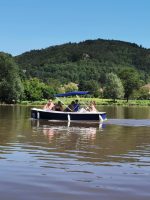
{"points": [[63, 112]]}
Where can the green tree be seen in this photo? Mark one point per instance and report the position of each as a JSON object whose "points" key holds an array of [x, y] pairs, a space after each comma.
{"points": [[71, 87], [131, 81], [48, 91], [142, 94], [92, 86], [114, 88], [33, 89], [11, 87]]}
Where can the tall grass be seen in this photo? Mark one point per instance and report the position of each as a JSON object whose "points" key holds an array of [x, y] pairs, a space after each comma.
{"points": [[86, 101]]}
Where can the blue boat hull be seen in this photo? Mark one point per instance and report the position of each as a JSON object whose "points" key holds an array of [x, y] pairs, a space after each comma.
{"points": [[67, 116]]}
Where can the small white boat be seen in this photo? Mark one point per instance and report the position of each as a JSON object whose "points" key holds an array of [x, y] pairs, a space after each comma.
{"points": [[68, 116]]}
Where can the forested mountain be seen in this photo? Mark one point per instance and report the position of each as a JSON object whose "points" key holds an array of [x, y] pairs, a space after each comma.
{"points": [[84, 61], [106, 68]]}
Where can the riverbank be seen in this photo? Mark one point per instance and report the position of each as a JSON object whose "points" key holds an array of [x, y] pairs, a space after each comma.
{"points": [[97, 100]]}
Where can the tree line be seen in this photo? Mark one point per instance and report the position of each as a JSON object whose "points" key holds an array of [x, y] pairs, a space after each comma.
{"points": [[106, 68]]}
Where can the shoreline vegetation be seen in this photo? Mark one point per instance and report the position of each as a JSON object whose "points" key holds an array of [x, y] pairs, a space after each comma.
{"points": [[86, 101]]}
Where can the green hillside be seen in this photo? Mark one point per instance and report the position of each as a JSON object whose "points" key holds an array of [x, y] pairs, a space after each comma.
{"points": [[87, 60], [106, 68]]}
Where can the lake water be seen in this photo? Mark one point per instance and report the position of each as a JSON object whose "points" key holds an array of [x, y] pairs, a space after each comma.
{"points": [[40, 160]]}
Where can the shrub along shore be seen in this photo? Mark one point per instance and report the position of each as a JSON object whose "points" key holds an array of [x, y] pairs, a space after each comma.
{"points": [[86, 101]]}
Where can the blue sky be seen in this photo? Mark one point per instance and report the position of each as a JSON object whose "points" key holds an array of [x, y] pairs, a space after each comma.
{"points": [[36, 24]]}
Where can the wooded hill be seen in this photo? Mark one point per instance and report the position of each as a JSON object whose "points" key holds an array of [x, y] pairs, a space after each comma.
{"points": [[106, 68], [84, 61]]}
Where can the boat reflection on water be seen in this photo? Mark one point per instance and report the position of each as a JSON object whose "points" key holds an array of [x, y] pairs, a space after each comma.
{"points": [[56, 129], [85, 124]]}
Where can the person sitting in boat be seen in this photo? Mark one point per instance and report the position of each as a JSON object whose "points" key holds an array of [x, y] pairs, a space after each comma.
{"points": [[92, 107], [58, 106], [70, 107], [49, 105], [76, 106]]}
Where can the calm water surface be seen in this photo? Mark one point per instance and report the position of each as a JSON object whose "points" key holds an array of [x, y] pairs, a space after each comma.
{"points": [[40, 160]]}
